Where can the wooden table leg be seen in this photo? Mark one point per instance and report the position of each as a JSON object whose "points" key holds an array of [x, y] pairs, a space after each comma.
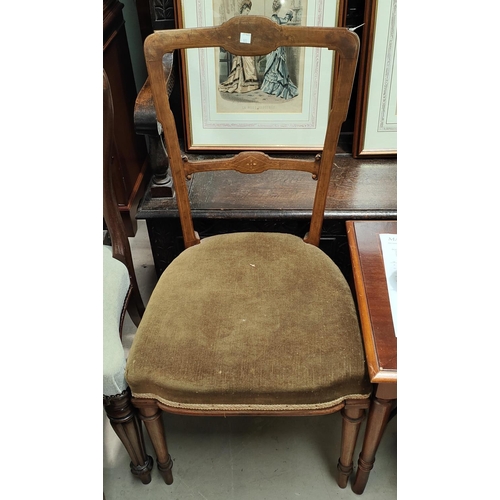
{"points": [[378, 417]]}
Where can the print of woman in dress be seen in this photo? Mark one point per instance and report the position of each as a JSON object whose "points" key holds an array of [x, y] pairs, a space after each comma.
{"points": [[277, 80], [243, 75]]}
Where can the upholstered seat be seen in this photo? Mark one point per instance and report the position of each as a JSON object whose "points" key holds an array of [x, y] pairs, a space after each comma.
{"points": [[250, 321]]}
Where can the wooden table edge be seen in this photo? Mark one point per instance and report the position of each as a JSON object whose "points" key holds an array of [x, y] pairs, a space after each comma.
{"points": [[377, 374]]}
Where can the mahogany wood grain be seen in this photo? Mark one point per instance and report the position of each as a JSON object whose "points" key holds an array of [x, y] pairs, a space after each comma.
{"points": [[373, 297]]}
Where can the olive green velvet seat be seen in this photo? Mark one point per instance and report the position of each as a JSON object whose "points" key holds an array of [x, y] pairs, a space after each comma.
{"points": [[249, 321]]}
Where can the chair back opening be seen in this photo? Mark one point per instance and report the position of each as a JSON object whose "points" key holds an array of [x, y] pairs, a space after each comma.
{"points": [[253, 36]]}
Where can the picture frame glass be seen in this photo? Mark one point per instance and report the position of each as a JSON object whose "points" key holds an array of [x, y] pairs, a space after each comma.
{"points": [[277, 101]]}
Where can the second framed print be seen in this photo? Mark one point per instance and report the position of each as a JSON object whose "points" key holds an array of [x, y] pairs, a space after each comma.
{"points": [[375, 127], [277, 102]]}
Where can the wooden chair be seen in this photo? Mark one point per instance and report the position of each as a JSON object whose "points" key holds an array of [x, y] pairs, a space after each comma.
{"points": [[250, 323], [121, 295]]}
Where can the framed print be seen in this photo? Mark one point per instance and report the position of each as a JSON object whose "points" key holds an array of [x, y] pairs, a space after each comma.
{"points": [[375, 126], [278, 101]]}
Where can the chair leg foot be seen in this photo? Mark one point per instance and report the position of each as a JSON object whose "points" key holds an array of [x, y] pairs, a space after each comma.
{"points": [[362, 475], [343, 474], [150, 414], [143, 472], [166, 470]]}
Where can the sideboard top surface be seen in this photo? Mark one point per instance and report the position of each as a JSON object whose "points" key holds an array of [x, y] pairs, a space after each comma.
{"points": [[365, 188]]}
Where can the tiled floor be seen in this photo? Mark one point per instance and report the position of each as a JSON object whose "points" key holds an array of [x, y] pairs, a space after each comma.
{"points": [[241, 458]]}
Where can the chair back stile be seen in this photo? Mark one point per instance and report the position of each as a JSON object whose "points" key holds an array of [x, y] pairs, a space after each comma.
{"points": [[116, 393], [114, 223], [121, 250], [266, 37]]}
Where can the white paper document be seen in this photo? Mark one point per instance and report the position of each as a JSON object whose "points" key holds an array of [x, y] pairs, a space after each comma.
{"points": [[389, 244]]}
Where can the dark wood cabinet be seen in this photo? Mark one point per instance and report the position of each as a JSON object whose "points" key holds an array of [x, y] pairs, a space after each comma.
{"points": [[131, 167]]}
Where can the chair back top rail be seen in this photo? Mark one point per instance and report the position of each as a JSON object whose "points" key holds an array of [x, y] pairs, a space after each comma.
{"points": [[265, 36]]}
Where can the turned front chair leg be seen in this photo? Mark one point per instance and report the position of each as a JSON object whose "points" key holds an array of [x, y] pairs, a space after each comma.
{"points": [[352, 417], [152, 417], [124, 421], [378, 417]]}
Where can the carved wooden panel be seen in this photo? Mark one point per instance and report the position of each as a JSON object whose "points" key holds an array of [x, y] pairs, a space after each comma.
{"points": [[162, 14]]}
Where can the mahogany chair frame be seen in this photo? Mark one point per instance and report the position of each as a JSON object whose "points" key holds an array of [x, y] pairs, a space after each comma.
{"points": [[112, 217], [270, 37], [122, 415]]}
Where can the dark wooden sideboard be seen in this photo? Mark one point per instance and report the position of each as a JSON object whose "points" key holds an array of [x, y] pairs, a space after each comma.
{"points": [[275, 201], [131, 163]]}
